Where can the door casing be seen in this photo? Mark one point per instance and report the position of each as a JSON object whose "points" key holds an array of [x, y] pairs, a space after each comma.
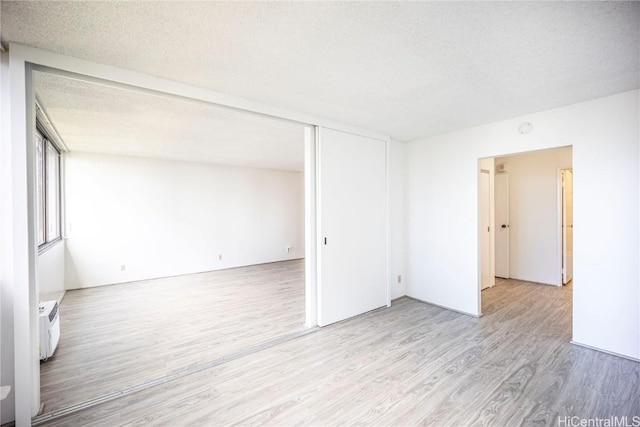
{"points": [[486, 253]]}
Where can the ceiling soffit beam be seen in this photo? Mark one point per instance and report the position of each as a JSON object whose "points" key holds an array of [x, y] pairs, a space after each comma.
{"points": [[46, 61]]}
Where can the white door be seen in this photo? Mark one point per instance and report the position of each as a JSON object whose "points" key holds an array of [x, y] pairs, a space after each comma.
{"points": [[486, 278], [501, 226], [353, 226], [567, 226]]}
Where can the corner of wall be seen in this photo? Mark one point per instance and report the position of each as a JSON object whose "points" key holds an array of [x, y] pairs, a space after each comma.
{"points": [[397, 220]]}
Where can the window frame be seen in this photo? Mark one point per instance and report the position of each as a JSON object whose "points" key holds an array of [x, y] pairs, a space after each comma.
{"points": [[42, 217]]}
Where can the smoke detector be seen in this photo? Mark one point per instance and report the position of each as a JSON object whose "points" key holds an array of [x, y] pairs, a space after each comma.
{"points": [[525, 127]]}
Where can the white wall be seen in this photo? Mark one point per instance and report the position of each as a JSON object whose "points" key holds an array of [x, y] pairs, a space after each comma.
{"points": [[397, 220], [533, 214], [162, 218], [442, 213], [51, 270]]}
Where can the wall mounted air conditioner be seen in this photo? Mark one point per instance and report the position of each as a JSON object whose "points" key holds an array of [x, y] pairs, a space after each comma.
{"points": [[49, 328]]}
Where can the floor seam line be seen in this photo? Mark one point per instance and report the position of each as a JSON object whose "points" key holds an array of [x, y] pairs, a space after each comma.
{"points": [[79, 407]]}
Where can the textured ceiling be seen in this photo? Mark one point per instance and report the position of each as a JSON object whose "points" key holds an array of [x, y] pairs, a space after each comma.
{"points": [[407, 69], [101, 119]]}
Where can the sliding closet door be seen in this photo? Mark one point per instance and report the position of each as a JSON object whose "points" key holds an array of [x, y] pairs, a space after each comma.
{"points": [[353, 226]]}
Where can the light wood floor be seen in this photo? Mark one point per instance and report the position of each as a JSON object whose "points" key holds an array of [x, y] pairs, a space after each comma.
{"points": [[119, 336], [411, 364]]}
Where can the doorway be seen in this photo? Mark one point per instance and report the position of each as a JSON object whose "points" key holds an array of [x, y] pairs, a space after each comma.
{"points": [[25, 299], [162, 222], [530, 208]]}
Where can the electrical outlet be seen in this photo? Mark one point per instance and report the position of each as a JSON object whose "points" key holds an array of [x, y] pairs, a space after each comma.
{"points": [[123, 267], [288, 249], [399, 278], [220, 257]]}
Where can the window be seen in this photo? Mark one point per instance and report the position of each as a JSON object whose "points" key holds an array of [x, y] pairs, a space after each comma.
{"points": [[47, 189]]}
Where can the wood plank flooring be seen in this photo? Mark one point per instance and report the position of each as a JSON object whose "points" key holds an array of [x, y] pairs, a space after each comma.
{"points": [[411, 364], [119, 336]]}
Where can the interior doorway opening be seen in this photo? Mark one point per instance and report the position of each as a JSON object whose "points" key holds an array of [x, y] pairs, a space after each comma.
{"points": [[126, 174], [27, 371], [529, 208]]}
